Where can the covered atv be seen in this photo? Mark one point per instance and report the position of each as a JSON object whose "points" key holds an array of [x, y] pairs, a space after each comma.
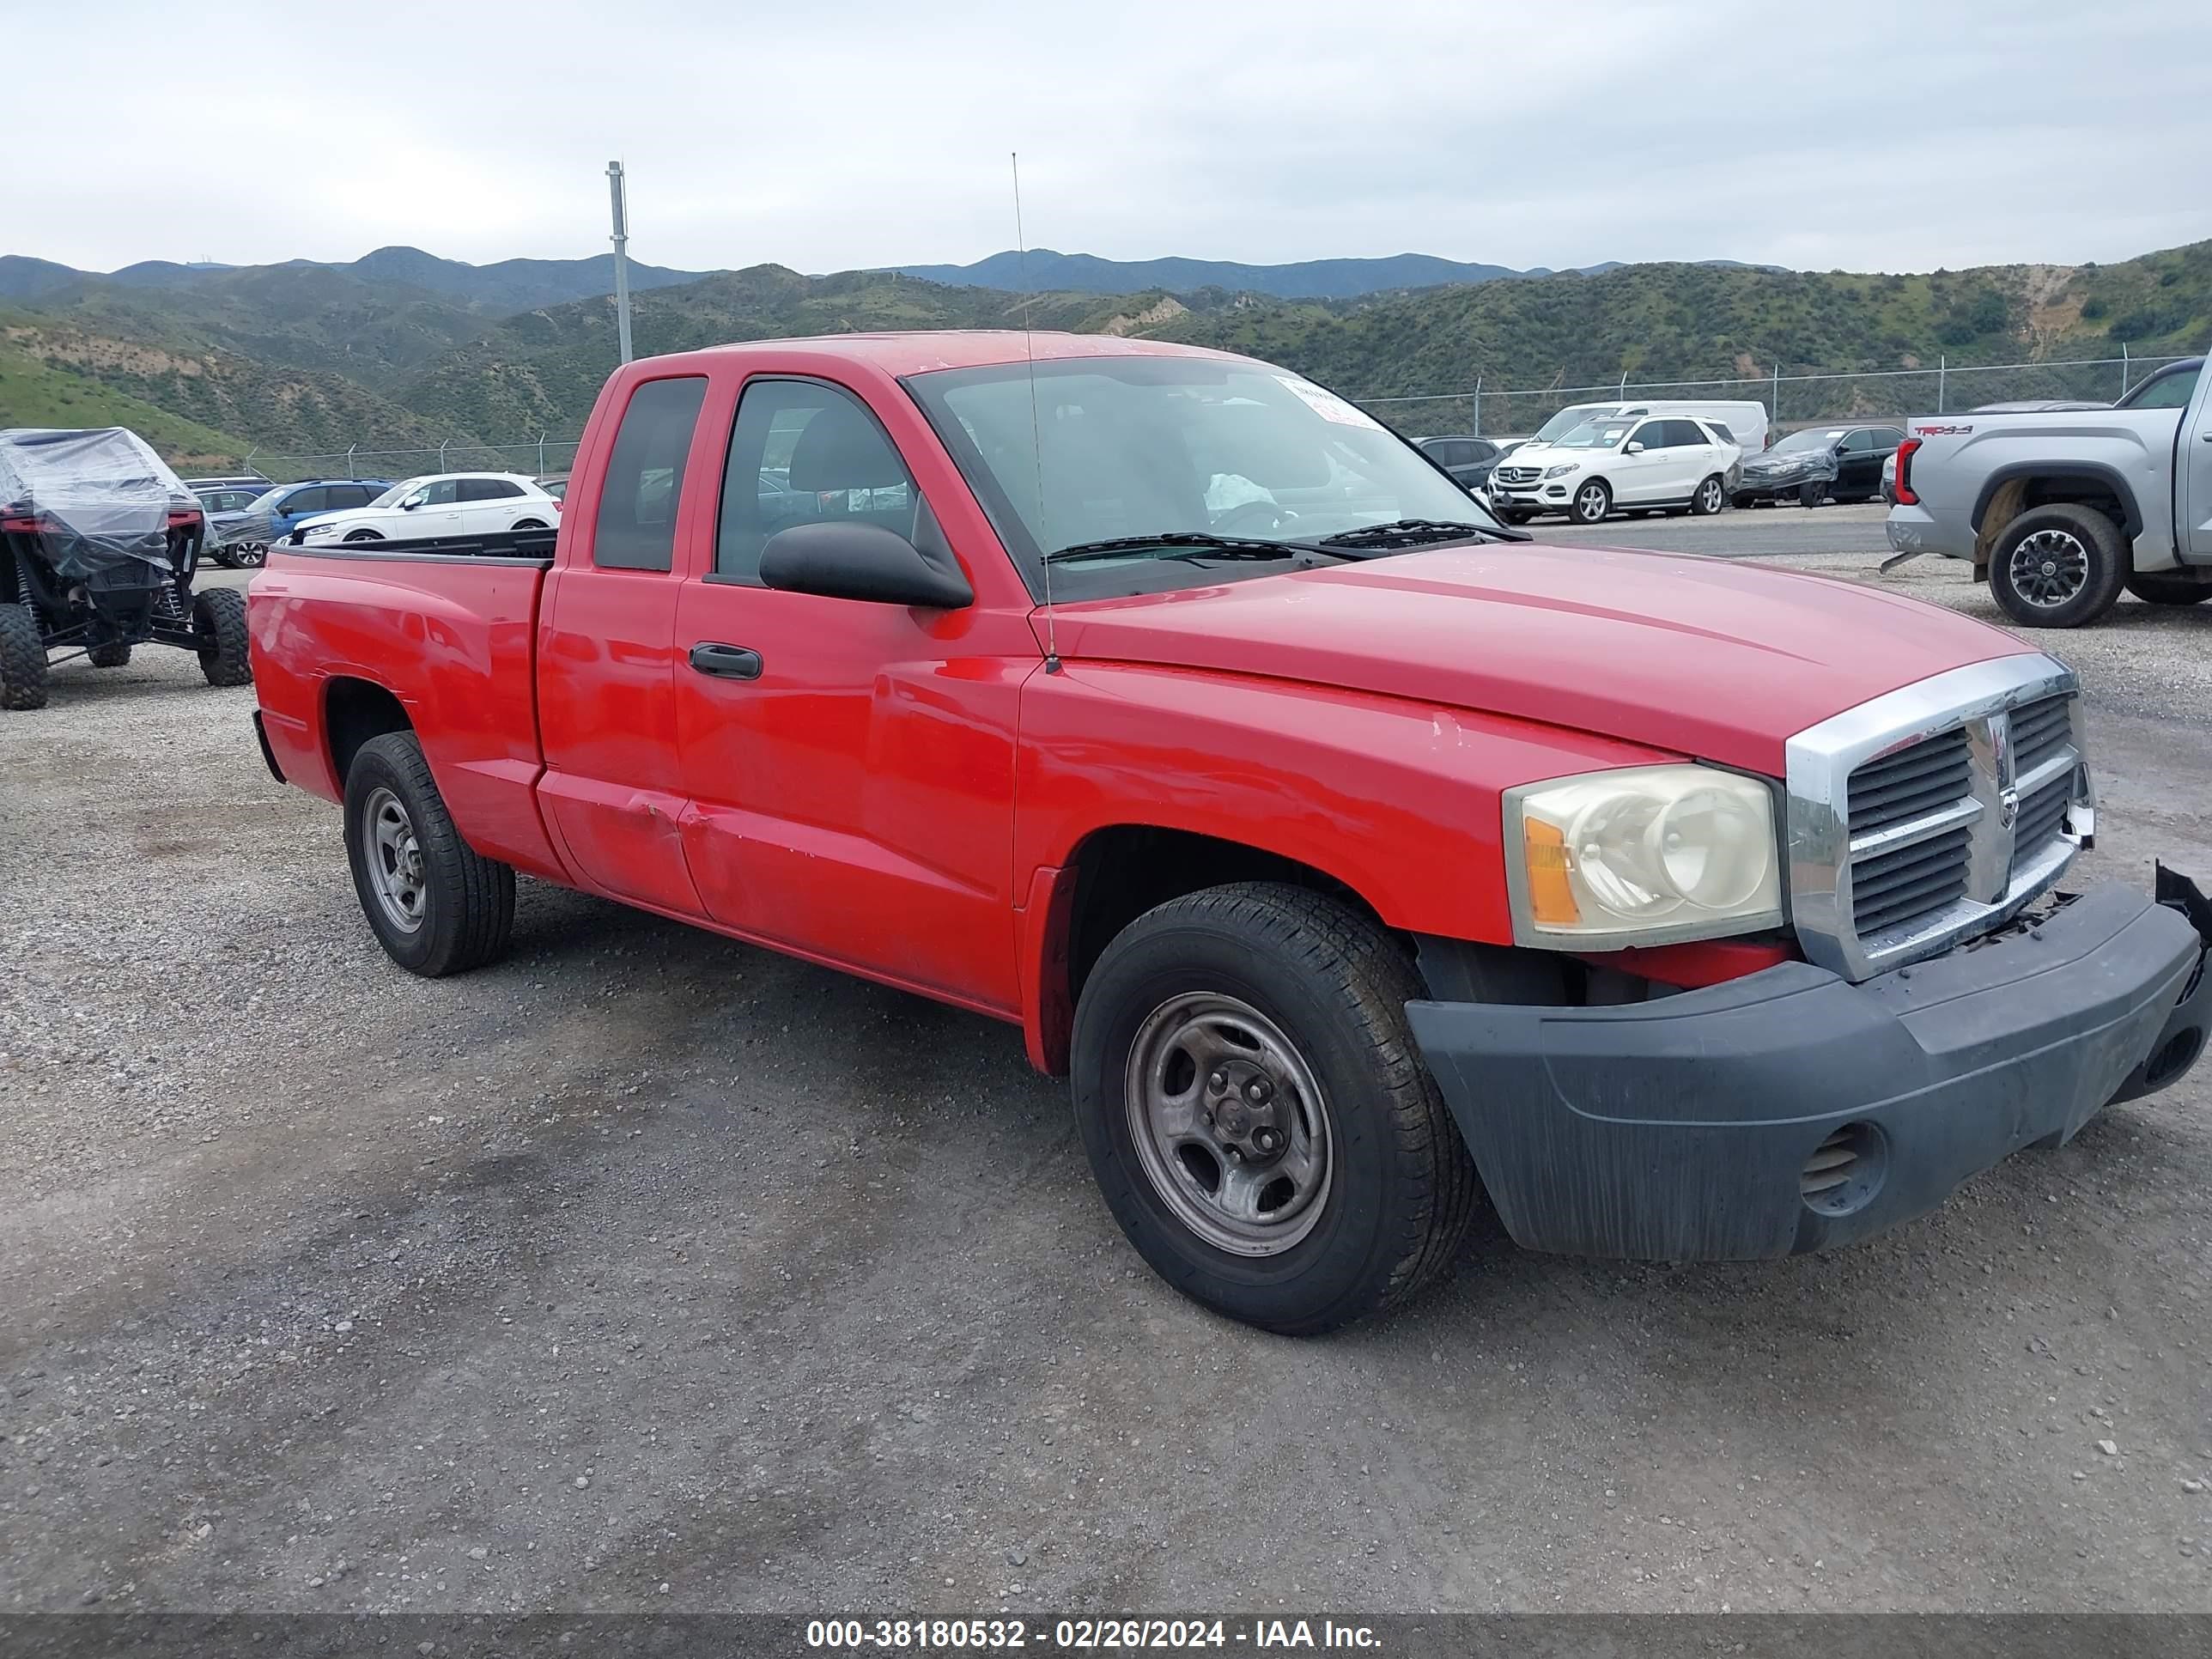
{"points": [[98, 544]]}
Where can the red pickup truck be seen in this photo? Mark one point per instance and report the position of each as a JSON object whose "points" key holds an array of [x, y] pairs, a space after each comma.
{"points": [[1352, 853]]}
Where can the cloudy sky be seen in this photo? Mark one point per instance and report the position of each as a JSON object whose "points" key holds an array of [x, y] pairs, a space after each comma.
{"points": [[836, 133]]}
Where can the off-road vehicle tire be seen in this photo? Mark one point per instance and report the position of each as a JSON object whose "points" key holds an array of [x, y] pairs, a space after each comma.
{"points": [[219, 624], [1318, 993], [2169, 589], [114, 654], [1592, 502], [436, 905], [2060, 566], [22, 660]]}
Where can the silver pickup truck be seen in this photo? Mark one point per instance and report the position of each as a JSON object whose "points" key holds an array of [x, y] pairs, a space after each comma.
{"points": [[2061, 511]]}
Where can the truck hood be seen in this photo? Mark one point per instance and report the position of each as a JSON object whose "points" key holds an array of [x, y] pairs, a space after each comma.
{"points": [[1710, 658]]}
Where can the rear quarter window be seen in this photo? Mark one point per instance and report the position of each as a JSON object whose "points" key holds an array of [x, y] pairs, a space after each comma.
{"points": [[636, 528]]}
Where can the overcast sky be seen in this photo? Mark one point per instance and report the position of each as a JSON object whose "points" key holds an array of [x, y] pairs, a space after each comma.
{"points": [[836, 133]]}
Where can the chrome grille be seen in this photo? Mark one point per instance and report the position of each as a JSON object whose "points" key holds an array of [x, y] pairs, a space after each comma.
{"points": [[1517, 474], [1932, 814], [1915, 780]]}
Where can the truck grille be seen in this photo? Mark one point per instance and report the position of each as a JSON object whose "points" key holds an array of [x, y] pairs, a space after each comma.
{"points": [[1932, 814]]}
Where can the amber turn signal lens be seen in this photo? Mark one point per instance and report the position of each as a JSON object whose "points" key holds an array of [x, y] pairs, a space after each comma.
{"points": [[1550, 895]]}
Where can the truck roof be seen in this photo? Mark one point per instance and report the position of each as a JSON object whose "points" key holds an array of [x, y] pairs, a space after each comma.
{"points": [[920, 351]]}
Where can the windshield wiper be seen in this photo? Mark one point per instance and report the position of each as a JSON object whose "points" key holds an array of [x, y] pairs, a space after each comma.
{"points": [[1414, 532], [1184, 544]]}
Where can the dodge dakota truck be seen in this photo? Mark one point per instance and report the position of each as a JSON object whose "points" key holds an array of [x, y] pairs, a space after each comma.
{"points": [[2062, 509], [1355, 857]]}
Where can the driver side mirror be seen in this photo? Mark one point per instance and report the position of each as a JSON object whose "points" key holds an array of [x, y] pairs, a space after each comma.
{"points": [[841, 559], [410, 503], [1635, 449]]}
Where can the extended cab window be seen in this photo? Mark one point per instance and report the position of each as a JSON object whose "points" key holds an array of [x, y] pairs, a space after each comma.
{"points": [[636, 528], [802, 450]]}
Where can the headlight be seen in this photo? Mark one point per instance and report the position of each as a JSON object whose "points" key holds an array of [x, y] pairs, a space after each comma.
{"points": [[1561, 471], [1645, 855], [311, 531]]}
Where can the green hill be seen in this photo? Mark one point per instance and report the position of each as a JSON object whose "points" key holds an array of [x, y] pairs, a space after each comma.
{"points": [[34, 393]]}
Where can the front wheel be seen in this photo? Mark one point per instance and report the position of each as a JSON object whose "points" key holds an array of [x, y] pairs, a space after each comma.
{"points": [[2170, 590], [2059, 566], [1256, 1112], [1593, 502], [1711, 496], [219, 628], [252, 556], [22, 658], [1811, 494], [435, 904], [362, 536]]}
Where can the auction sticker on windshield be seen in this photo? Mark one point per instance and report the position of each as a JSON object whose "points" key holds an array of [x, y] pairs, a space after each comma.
{"points": [[1329, 406]]}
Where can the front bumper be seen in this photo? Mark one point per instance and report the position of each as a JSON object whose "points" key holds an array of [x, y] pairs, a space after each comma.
{"points": [[1682, 1129]]}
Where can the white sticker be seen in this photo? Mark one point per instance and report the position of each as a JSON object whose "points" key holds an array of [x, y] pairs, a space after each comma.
{"points": [[1329, 406]]}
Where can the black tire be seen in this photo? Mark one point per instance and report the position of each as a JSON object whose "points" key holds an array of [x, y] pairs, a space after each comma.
{"points": [[224, 556], [1740, 500], [1592, 502], [2061, 566], [466, 914], [1711, 496], [529, 524], [2170, 590], [1514, 515], [1402, 1189], [1811, 494], [219, 624], [22, 658], [251, 556], [363, 536], [115, 654]]}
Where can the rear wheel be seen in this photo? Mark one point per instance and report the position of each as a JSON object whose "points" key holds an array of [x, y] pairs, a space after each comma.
{"points": [[530, 524], [435, 904], [2059, 566], [114, 654], [2170, 590], [22, 658], [219, 626], [1592, 502], [1256, 1112], [1710, 495]]}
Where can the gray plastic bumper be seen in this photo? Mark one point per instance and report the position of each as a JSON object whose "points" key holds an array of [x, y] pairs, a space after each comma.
{"points": [[1681, 1128]]}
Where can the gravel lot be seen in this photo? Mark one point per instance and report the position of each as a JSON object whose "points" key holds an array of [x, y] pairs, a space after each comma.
{"points": [[648, 1270]]}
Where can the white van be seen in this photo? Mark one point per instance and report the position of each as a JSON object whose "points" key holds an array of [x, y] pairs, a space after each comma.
{"points": [[1744, 422]]}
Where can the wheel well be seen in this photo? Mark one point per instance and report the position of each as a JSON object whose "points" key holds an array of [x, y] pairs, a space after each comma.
{"points": [[2007, 497], [354, 711], [1122, 871]]}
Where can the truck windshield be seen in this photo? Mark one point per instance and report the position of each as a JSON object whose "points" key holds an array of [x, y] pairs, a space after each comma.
{"points": [[1117, 449]]}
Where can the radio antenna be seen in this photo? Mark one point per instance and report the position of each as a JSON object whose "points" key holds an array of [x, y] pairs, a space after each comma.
{"points": [[1036, 425]]}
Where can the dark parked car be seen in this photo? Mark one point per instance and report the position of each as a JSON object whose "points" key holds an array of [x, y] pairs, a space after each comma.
{"points": [[1467, 459], [1839, 463], [242, 538]]}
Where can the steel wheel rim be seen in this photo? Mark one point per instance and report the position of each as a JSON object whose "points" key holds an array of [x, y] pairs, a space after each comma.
{"points": [[395, 874], [2050, 568], [1230, 1124], [1592, 502]]}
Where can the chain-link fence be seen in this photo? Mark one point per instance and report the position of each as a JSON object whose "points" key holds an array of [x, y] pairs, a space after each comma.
{"points": [[1793, 400]]}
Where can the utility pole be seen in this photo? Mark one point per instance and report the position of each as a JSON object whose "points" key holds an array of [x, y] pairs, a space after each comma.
{"points": [[616, 194]]}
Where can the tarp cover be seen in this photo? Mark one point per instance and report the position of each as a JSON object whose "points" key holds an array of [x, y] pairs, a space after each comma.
{"points": [[102, 495]]}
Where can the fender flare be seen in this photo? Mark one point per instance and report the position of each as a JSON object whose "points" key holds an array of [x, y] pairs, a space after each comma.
{"points": [[2131, 519]]}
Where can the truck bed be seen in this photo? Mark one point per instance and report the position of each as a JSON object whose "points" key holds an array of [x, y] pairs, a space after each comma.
{"points": [[450, 626]]}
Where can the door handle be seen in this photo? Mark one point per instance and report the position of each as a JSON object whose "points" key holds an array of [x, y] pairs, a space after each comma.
{"points": [[725, 662]]}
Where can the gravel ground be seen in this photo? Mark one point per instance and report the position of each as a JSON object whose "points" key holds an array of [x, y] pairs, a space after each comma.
{"points": [[648, 1270]]}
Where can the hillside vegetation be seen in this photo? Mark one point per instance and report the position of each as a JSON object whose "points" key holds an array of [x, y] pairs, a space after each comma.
{"points": [[35, 393], [304, 357]]}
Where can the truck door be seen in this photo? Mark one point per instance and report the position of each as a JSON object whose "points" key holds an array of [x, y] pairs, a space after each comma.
{"points": [[613, 789], [2192, 476], [850, 764]]}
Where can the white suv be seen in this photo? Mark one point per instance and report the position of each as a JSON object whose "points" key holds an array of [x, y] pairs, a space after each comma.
{"points": [[442, 504], [1651, 463]]}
